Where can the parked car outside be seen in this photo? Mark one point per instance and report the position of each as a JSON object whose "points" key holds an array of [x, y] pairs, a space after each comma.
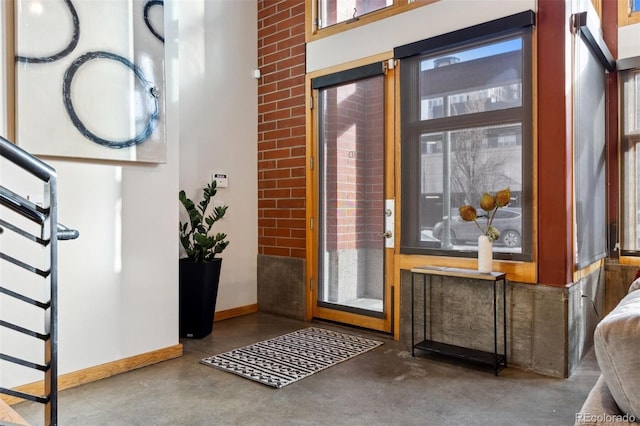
{"points": [[508, 221]]}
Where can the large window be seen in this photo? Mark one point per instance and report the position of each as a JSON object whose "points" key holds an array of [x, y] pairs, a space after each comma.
{"points": [[466, 129], [631, 163]]}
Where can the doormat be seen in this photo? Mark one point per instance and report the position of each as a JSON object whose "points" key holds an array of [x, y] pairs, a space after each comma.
{"points": [[291, 357]]}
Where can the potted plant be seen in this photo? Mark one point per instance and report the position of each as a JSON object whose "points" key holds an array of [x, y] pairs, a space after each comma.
{"points": [[490, 204], [199, 271]]}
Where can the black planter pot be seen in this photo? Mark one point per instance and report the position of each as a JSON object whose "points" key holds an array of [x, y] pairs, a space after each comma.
{"points": [[198, 295]]}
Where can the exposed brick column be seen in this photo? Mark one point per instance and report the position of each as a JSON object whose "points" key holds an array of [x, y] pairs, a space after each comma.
{"points": [[555, 226], [281, 128]]}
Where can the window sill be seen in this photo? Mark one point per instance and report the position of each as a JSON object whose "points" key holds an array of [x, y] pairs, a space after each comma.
{"points": [[524, 272]]}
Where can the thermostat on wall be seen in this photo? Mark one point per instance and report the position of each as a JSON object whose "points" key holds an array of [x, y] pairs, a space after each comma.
{"points": [[222, 180]]}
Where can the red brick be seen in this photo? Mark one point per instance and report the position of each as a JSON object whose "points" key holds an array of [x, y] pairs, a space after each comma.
{"points": [[265, 127], [275, 75], [276, 251], [267, 241], [298, 51], [263, 146], [298, 151], [266, 204], [290, 103], [293, 39], [291, 183], [277, 134], [277, 174], [266, 8], [265, 184], [298, 233], [297, 214], [276, 116], [266, 223], [276, 153], [266, 165], [291, 223], [290, 203], [277, 193], [291, 242], [297, 192], [276, 213], [265, 50], [290, 142], [265, 69], [291, 123], [298, 253], [298, 91], [276, 18], [281, 127], [277, 56], [268, 88], [292, 162], [294, 80], [277, 232]]}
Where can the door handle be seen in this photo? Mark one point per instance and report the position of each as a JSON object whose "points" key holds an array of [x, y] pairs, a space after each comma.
{"points": [[387, 234]]}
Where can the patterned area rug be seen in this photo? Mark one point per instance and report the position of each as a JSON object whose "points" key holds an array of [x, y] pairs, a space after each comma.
{"points": [[291, 357]]}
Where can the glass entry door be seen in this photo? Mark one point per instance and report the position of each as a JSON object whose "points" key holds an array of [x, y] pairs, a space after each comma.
{"points": [[351, 175]]}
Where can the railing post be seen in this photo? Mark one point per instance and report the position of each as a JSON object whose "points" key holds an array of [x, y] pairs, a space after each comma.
{"points": [[51, 231]]}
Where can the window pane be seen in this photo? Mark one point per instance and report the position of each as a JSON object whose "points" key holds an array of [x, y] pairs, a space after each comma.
{"points": [[635, 96], [331, 12], [631, 163], [466, 130], [351, 196], [481, 159], [485, 78]]}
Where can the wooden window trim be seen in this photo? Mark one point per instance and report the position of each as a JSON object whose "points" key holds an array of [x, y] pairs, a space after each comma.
{"points": [[313, 33], [624, 17]]}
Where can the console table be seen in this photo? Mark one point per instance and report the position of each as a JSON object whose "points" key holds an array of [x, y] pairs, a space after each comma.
{"points": [[497, 360]]}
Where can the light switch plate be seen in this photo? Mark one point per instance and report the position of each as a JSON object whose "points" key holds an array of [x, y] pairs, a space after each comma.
{"points": [[222, 180]]}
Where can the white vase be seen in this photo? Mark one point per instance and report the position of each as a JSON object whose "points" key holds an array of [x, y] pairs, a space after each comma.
{"points": [[485, 254]]}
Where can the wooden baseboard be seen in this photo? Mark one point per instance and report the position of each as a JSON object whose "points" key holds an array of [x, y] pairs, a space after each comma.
{"points": [[92, 374], [8, 415], [235, 312]]}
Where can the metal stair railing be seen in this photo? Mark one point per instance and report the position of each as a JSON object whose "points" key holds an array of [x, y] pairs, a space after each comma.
{"points": [[45, 218]]}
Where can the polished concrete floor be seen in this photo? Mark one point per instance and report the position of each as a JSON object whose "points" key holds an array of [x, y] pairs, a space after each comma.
{"points": [[385, 386]]}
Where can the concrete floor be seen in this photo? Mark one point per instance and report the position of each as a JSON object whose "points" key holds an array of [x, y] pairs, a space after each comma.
{"points": [[385, 386]]}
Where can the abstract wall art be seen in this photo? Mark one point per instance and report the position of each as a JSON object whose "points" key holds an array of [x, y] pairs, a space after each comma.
{"points": [[90, 79]]}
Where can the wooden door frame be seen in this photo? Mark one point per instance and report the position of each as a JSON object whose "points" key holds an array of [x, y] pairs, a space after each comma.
{"points": [[391, 296]]}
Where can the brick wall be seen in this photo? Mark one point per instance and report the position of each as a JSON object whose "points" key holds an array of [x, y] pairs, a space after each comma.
{"points": [[281, 128]]}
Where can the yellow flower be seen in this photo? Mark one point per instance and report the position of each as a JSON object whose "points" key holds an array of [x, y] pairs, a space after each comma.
{"points": [[468, 213], [503, 197], [487, 202], [490, 204]]}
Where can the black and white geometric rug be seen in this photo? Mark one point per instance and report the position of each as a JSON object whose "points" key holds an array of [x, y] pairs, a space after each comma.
{"points": [[291, 357]]}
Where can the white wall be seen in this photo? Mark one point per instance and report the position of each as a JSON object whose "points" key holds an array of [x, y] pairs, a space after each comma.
{"points": [[119, 280], [219, 129], [629, 41]]}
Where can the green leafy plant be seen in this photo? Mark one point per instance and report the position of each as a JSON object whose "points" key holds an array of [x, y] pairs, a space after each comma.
{"points": [[200, 244]]}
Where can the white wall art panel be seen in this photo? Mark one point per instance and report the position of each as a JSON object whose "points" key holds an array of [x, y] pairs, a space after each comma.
{"points": [[90, 79]]}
